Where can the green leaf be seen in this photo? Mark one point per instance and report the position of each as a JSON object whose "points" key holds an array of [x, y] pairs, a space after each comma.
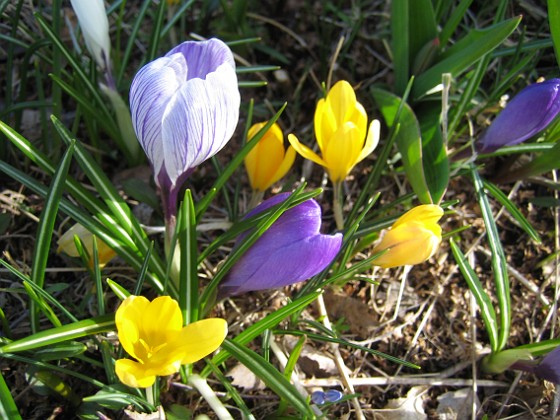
{"points": [[482, 299], [408, 138], [188, 282], [61, 334], [269, 375], [453, 21], [499, 267], [400, 43], [554, 23], [422, 27], [8, 408], [471, 48], [513, 210]]}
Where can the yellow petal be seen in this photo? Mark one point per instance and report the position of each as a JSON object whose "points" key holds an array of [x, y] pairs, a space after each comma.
{"points": [[128, 320], [162, 320], [287, 162], [343, 151], [67, 245], [341, 99], [372, 140], [324, 124], [199, 339], [133, 374], [305, 151], [428, 214]]}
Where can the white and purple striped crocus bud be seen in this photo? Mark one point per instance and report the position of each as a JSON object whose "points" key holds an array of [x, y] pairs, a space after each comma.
{"points": [[185, 107], [528, 113], [290, 251]]}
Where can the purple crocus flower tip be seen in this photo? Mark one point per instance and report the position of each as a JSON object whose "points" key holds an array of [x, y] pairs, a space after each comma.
{"points": [[528, 113], [185, 108], [549, 367], [290, 251]]}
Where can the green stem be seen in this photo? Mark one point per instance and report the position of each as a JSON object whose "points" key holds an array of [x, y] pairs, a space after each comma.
{"points": [[256, 198], [337, 205], [210, 396]]}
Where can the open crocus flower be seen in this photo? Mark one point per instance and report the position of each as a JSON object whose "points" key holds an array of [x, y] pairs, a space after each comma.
{"points": [[153, 333], [67, 245], [92, 17], [342, 134], [185, 107], [412, 239], [267, 162], [528, 113], [290, 251]]}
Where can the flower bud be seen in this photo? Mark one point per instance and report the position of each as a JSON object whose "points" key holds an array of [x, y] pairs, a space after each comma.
{"points": [[67, 245]]}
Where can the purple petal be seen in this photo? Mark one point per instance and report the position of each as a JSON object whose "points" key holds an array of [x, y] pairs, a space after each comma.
{"points": [[199, 120], [151, 90], [528, 113], [290, 251], [549, 368], [204, 57]]}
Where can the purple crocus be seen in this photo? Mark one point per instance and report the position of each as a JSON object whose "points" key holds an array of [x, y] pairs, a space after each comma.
{"points": [[548, 368], [185, 107], [290, 251], [528, 113]]}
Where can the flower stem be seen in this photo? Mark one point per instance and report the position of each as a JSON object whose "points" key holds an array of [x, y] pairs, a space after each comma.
{"points": [[210, 396], [337, 205], [256, 198]]}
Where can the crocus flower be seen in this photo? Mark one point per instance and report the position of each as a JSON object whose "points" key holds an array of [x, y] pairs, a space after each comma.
{"points": [[267, 162], [153, 334], [342, 134], [548, 368], [67, 245], [412, 239], [185, 107], [290, 251], [527, 114], [92, 17]]}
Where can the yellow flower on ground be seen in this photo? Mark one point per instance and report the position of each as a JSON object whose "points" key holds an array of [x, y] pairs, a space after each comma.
{"points": [[267, 162], [342, 133], [67, 245], [412, 239], [153, 334]]}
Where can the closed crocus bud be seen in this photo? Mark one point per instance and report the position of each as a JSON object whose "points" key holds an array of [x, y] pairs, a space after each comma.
{"points": [[67, 245], [412, 239], [548, 368], [185, 107], [95, 29], [290, 251], [527, 114], [267, 162], [342, 133]]}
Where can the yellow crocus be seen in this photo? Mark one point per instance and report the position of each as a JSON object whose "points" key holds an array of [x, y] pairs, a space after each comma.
{"points": [[67, 245], [153, 334], [341, 131], [267, 162], [412, 239]]}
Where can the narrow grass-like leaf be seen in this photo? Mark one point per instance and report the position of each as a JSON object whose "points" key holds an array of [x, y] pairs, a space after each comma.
{"points": [[422, 27], [8, 408], [453, 21], [408, 138], [400, 43], [60, 351], [177, 13], [542, 347], [188, 281], [47, 297], [46, 226], [470, 49], [499, 267], [268, 322], [61, 334], [328, 339], [269, 375], [157, 24], [482, 299], [118, 290], [513, 210], [554, 23]]}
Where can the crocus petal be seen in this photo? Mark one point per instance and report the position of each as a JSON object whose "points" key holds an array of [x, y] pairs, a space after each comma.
{"points": [[201, 338], [305, 151], [413, 238], [372, 140], [128, 318], [549, 368], [93, 20], [67, 245], [133, 374], [151, 90], [290, 251], [342, 151], [161, 311], [285, 166], [528, 113], [199, 121]]}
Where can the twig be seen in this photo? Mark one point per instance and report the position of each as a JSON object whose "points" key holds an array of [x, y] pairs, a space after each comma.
{"points": [[402, 380]]}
